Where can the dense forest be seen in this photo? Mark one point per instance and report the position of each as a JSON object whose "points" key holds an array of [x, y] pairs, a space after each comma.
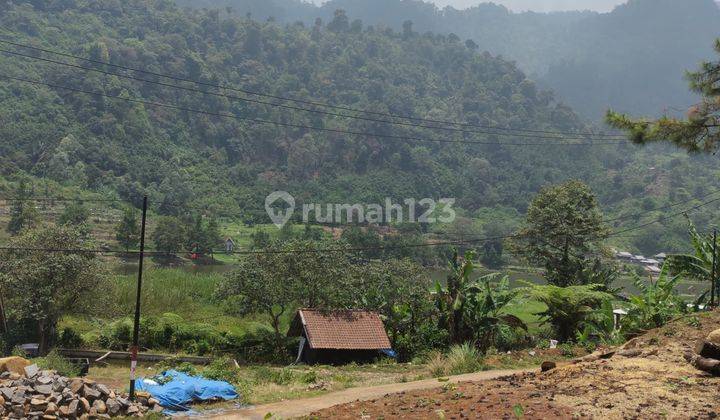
{"points": [[632, 59], [228, 165]]}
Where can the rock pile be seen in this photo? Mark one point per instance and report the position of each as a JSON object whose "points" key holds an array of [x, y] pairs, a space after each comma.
{"points": [[43, 394], [707, 354]]}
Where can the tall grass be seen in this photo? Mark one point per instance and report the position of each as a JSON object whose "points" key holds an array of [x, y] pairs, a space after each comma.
{"points": [[166, 290], [462, 358]]}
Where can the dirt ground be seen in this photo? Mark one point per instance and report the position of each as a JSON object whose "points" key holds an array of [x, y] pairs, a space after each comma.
{"points": [[658, 383]]}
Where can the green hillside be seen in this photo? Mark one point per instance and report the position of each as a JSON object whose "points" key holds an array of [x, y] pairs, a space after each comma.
{"points": [[188, 160]]}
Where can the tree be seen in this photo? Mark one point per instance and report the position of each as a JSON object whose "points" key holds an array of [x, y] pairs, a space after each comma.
{"points": [[452, 299], [700, 131], [74, 214], [657, 303], [697, 265], [568, 308], [203, 235], [127, 231], [295, 273], [398, 291], [561, 226], [486, 310], [23, 214], [340, 22], [260, 239], [43, 286], [169, 236]]}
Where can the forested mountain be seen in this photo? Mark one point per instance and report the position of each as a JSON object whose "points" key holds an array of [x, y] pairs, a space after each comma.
{"points": [[228, 165], [632, 59]]}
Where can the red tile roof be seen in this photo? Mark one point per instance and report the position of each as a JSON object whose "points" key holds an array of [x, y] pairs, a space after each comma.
{"points": [[341, 330]]}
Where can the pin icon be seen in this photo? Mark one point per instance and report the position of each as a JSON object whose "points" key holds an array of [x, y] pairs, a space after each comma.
{"points": [[279, 218]]}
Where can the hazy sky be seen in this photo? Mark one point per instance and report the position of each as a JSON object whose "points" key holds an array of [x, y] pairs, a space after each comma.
{"points": [[540, 5], [536, 5]]}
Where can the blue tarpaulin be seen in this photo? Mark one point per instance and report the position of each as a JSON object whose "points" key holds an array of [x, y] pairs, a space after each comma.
{"points": [[176, 389]]}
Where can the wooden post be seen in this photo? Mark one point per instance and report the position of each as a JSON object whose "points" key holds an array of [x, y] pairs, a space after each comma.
{"points": [[136, 325], [713, 274]]}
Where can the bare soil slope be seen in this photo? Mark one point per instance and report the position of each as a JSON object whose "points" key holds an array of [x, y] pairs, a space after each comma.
{"points": [[656, 383]]}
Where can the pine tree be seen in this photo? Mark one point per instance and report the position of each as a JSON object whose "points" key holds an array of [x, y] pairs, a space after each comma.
{"points": [[699, 132]]}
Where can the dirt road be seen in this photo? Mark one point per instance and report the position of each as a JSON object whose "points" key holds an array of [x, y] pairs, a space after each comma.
{"points": [[296, 408]]}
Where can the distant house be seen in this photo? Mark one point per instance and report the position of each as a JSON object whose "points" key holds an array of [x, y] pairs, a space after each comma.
{"points": [[624, 255], [653, 270], [229, 245], [337, 337]]}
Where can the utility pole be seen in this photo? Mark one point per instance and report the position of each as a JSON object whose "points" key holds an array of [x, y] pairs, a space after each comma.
{"points": [[713, 274], [136, 326]]}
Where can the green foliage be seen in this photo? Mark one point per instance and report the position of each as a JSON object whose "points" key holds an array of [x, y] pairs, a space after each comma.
{"points": [[54, 361], [226, 166], [127, 232], [168, 332], [398, 291], [698, 265], [473, 309], [656, 304], [41, 286], [275, 283], [74, 214], [561, 225], [170, 235], [460, 359], [23, 214], [568, 308], [699, 132], [203, 236]]}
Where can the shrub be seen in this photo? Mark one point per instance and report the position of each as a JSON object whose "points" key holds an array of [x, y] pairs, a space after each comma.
{"points": [[265, 375], [309, 377], [54, 361], [222, 369], [568, 308], [656, 304], [462, 358], [69, 338]]}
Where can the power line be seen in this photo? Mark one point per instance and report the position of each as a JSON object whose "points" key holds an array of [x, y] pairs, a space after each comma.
{"points": [[634, 215], [306, 102], [51, 199], [293, 125], [665, 217], [296, 108]]}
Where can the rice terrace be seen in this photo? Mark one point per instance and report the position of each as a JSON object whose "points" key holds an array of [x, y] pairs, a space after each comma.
{"points": [[359, 209]]}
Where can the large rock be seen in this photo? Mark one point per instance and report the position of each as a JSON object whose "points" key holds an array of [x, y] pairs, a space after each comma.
{"points": [[37, 404], [714, 337], [76, 385], [73, 408], [113, 406], [51, 409], [31, 371], [14, 364], [85, 405], [90, 393], [100, 407], [44, 389]]}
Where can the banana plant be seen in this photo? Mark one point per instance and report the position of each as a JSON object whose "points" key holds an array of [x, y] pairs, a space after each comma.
{"points": [[697, 265]]}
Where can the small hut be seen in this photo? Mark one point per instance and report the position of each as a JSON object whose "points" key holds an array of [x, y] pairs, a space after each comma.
{"points": [[337, 337]]}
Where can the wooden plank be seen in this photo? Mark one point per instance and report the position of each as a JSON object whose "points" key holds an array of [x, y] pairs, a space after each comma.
{"points": [[124, 355]]}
